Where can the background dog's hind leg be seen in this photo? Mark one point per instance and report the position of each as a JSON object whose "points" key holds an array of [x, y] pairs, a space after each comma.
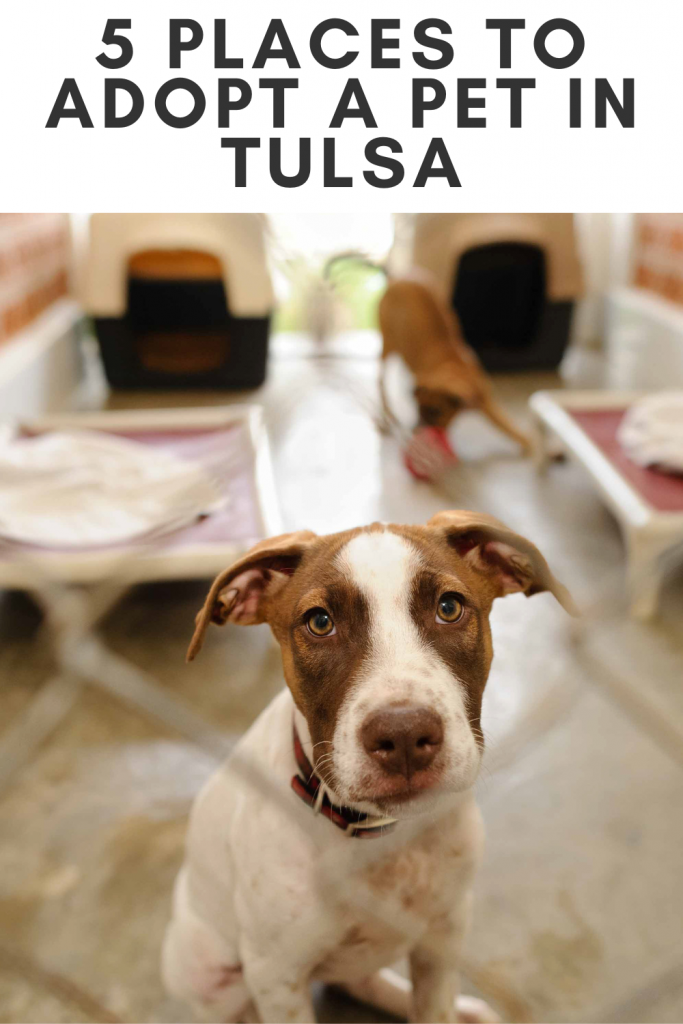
{"points": [[502, 421], [386, 420]]}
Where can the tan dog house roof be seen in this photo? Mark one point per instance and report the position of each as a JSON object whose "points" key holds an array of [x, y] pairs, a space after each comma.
{"points": [[236, 239], [440, 240]]}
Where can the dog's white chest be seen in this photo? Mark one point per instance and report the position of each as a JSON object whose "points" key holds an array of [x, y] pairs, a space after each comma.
{"points": [[397, 898]]}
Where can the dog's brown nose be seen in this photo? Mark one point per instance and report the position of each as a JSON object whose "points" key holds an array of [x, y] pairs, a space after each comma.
{"points": [[403, 740]]}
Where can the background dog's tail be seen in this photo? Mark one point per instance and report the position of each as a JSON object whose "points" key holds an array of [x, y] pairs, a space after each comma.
{"points": [[324, 312], [354, 256]]}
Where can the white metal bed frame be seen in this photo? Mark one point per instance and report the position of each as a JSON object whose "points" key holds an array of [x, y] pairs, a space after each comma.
{"points": [[649, 533], [76, 589]]}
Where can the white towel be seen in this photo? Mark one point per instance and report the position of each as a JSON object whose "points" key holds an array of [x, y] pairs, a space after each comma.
{"points": [[88, 488], [651, 432]]}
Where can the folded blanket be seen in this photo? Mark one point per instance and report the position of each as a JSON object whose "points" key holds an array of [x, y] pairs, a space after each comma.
{"points": [[88, 488], [651, 432]]}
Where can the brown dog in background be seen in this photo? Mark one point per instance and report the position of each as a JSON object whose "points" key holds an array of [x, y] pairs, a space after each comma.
{"points": [[418, 325]]}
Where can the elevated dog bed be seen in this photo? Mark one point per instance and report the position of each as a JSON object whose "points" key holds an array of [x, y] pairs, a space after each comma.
{"points": [[648, 504], [180, 300], [77, 585]]}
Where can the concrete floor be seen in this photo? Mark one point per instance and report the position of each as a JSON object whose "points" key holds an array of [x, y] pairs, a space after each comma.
{"points": [[579, 905]]}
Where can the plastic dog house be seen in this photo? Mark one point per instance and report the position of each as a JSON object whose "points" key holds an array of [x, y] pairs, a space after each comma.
{"points": [[180, 300], [512, 278]]}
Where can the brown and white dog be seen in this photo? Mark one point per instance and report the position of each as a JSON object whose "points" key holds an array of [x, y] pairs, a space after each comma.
{"points": [[418, 325], [386, 647]]}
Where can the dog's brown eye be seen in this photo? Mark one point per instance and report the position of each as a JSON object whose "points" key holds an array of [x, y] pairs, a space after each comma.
{"points": [[450, 608], [320, 622]]}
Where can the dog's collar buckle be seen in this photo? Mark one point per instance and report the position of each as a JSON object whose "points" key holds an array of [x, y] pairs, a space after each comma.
{"points": [[311, 789]]}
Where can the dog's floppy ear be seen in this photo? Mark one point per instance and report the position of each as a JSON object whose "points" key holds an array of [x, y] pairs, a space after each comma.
{"points": [[491, 548], [236, 594]]}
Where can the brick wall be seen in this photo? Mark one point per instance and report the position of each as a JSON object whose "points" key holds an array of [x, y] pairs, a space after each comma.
{"points": [[658, 257], [34, 259]]}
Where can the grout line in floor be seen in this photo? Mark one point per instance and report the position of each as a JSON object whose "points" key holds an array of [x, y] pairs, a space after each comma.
{"points": [[59, 986]]}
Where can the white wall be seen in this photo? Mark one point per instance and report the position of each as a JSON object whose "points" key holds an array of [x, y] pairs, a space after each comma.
{"points": [[606, 248], [40, 368]]}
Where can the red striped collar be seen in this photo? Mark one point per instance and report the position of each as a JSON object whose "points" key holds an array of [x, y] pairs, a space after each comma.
{"points": [[312, 791]]}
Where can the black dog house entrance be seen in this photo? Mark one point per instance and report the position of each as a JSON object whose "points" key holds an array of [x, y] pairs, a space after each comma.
{"points": [[177, 331], [500, 296], [512, 278]]}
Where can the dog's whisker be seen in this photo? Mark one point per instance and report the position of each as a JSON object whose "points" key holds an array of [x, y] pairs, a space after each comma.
{"points": [[327, 756], [321, 765]]}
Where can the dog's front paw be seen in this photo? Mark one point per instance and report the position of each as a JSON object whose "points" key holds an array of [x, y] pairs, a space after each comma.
{"points": [[475, 1011]]}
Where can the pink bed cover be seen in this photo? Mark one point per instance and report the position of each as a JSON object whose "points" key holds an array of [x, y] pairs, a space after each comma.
{"points": [[663, 491]]}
